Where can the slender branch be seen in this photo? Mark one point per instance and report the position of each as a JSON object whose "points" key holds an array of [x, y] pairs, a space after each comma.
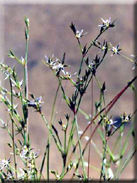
{"points": [[13, 135]]}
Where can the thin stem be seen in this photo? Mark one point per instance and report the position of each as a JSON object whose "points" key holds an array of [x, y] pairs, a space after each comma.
{"points": [[13, 135], [48, 152], [89, 151], [51, 122], [80, 149], [102, 173], [93, 42], [26, 79], [54, 102]]}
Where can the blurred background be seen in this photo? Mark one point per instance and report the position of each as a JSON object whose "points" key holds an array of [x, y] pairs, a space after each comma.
{"points": [[50, 34]]}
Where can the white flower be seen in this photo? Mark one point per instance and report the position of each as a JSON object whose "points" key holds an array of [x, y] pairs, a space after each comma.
{"points": [[22, 175], [33, 155], [85, 163], [80, 132], [115, 50], [86, 138], [79, 34], [58, 66], [24, 152], [4, 163], [106, 23]]}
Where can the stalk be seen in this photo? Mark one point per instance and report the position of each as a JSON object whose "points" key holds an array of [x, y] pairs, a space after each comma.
{"points": [[26, 78], [13, 135]]}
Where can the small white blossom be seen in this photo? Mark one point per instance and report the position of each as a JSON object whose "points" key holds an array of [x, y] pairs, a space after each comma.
{"points": [[80, 132], [88, 122], [4, 163], [22, 175], [24, 152], [115, 50], [106, 22], [80, 34], [86, 138], [85, 163], [58, 66]]}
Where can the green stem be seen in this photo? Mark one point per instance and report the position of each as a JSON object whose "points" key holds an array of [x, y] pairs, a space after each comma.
{"points": [[80, 149], [102, 173], [51, 122], [93, 42], [13, 135], [54, 102], [26, 83], [48, 152]]}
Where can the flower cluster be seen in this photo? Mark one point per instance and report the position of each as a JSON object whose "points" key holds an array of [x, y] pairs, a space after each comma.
{"points": [[28, 155]]}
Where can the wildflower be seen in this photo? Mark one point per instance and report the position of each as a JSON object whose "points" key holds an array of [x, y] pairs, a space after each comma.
{"points": [[116, 50], [80, 34], [109, 125], [31, 166], [102, 47], [33, 155], [86, 164], [56, 65], [106, 24], [51, 61], [126, 118], [24, 152], [80, 132], [77, 33], [86, 138], [4, 163], [36, 103], [23, 175]]}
